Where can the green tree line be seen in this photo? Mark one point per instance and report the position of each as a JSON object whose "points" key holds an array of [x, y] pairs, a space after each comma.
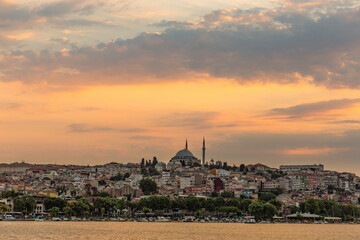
{"points": [[107, 206]]}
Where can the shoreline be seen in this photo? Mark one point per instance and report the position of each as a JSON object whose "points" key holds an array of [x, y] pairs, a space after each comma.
{"points": [[174, 221]]}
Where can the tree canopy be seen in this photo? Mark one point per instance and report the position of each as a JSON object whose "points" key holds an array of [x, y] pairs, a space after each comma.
{"points": [[148, 186]]}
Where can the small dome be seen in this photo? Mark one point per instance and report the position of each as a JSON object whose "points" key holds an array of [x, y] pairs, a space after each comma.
{"points": [[184, 153], [160, 164]]}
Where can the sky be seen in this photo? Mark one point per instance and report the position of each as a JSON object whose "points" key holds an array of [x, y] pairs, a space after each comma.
{"points": [[91, 82]]}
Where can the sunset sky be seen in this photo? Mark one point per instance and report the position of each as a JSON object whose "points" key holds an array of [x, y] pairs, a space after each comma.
{"points": [[90, 82]]}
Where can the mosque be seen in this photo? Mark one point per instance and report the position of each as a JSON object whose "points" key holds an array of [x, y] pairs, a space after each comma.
{"points": [[185, 158]]}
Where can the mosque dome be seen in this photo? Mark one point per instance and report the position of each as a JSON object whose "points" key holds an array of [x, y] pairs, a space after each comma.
{"points": [[184, 157], [184, 153], [160, 164]]}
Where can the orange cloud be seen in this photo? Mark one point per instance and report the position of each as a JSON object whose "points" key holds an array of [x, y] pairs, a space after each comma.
{"points": [[20, 36], [312, 151]]}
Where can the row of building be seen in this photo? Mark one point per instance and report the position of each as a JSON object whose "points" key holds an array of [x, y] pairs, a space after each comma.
{"points": [[183, 175]]}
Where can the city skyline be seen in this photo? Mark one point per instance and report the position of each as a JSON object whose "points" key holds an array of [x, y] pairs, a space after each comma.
{"points": [[91, 82]]}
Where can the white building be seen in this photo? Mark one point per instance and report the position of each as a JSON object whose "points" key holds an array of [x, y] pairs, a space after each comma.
{"points": [[222, 173], [187, 181], [165, 176]]}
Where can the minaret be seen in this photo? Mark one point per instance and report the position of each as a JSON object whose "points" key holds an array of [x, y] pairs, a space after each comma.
{"points": [[186, 145], [203, 152]]}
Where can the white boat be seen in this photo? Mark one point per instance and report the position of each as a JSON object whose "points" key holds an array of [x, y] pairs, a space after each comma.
{"points": [[251, 220], [9, 218], [162, 219]]}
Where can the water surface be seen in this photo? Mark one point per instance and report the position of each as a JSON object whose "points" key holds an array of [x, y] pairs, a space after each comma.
{"points": [[170, 231]]}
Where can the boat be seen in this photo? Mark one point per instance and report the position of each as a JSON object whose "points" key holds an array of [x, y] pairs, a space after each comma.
{"points": [[162, 219], [251, 220], [9, 218]]}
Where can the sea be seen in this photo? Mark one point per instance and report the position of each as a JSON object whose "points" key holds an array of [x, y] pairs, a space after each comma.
{"points": [[173, 231]]}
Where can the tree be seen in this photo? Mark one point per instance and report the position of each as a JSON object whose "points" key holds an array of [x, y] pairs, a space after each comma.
{"points": [[154, 162], [210, 204], [117, 177], [294, 209], [214, 194], [227, 194], [73, 192], [244, 205], [178, 203], [211, 163], [68, 211], [192, 204], [153, 171], [3, 208], [275, 175], [146, 210], [25, 204], [242, 167], [219, 164], [102, 211], [148, 186], [61, 189], [142, 164], [133, 206], [331, 189], [313, 206], [266, 196], [277, 191], [257, 210], [144, 172], [269, 211], [225, 166], [88, 190], [219, 202], [80, 208], [120, 204], [54, 211], [156, 202], [9, 194], [229, 210], [101, 194], [107, 205], [232, 202], [54, 202], [276, 203]]}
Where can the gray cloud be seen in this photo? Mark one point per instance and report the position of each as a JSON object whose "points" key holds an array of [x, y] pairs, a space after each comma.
{"points": [[194, 120], [188, 119], [63, 40], [16, 16], [88, 109], [283, 45], [148, 138], [346, 122], [173, 24], [78, 22], [10, 105], [312, 109], [84, 128], [61, 8]]}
